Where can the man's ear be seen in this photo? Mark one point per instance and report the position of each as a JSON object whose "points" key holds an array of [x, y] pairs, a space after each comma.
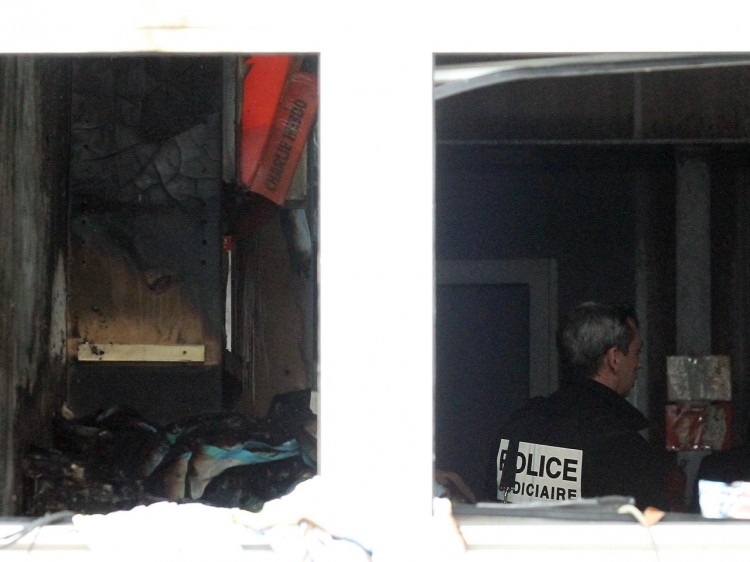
{"points": [[611, 358]]}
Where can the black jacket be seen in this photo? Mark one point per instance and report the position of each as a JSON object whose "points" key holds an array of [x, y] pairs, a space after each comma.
{"points": [[587, 415]]}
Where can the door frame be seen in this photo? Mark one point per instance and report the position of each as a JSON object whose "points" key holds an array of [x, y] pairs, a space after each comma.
{"points": [[540, 275]]}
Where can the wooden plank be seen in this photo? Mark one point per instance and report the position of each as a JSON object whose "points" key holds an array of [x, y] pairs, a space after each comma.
{"points": [[124, 352]]}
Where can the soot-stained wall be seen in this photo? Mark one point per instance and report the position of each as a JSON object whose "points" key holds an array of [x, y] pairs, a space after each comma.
{"points": [[34, 110], [145, 230]]}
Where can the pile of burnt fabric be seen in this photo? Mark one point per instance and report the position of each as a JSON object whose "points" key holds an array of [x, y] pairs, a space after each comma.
{"points": [[115, 460]]}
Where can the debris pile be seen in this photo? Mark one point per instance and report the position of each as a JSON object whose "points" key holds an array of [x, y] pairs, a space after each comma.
{"points": [[115, 459]]}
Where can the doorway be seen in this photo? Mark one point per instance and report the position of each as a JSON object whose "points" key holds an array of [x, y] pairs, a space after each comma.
{"points": [[494, 348]]}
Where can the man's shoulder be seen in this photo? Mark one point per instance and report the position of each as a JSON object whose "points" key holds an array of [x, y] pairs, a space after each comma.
{"points": [[559, 405], [537, 403], [531, 421], [562, 419], [536, 407]]}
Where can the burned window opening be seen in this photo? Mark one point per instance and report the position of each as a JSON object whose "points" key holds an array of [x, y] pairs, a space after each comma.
{"points": [[151, 218]]}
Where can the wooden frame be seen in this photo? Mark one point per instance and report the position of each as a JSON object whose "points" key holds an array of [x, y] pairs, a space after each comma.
{"points": [[141, 352]]}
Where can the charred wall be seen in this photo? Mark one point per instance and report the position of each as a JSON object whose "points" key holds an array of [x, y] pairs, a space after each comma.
{"points": [[33, 166], [113, 210], [145, 231]]}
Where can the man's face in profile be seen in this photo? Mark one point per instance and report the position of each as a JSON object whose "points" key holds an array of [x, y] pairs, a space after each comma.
{"points": [[629, 363]]}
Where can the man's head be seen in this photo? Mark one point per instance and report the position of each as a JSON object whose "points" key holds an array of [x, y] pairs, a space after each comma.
{"points": [[601, 342]]}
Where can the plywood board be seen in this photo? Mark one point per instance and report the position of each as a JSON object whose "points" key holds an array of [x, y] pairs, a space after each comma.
{"points": [[143, 353]]}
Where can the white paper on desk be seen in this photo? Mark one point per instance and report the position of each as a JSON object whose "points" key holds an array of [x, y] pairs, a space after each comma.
{"points": [[719, 500]]}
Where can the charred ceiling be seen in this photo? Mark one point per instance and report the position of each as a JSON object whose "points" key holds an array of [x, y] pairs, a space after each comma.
{"points": [[585, 99]]}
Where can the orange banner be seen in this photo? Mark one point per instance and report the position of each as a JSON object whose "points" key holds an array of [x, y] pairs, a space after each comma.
{"points": [[294, 118]]}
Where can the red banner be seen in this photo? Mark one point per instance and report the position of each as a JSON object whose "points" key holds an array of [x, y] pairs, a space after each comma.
{"points": [[262, 89], [294, 118]]}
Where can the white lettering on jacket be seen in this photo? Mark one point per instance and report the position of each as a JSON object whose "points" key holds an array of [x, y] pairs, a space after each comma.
{"points": [[543, 473]]}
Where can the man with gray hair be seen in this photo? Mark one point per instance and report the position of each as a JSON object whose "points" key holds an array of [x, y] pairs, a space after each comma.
{"points": [[584, 440]]}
